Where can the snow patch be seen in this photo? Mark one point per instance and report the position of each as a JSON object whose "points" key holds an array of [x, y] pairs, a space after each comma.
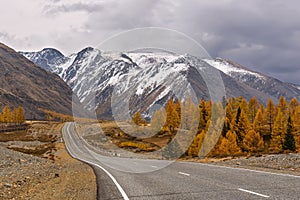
{"points": [[229, 69]]}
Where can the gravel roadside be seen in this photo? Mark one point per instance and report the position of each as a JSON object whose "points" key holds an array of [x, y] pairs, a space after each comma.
{"points": [[51, 175], [277, 163]]}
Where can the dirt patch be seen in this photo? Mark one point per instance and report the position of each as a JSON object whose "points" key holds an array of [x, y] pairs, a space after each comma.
{"points": [[37, 150], [35, 165]]}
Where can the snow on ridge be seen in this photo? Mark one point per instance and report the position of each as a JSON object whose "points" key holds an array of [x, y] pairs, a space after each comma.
{"points": [[229, 69], [136, 56], [66, 65]]}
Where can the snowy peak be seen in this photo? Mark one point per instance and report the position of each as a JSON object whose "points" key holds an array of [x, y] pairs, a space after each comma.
{"points": [[47, 58], [234, 70], [258, 81]]}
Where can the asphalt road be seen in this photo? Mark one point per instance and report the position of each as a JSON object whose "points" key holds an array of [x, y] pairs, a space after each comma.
{"points": [[178, 180]]}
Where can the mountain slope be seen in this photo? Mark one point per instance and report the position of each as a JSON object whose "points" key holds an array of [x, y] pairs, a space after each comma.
{"points": [[24, 83], [149, 78], [256, 80]]}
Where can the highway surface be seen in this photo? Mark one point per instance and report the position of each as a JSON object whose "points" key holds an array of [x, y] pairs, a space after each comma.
{"points": [[179, 180]]}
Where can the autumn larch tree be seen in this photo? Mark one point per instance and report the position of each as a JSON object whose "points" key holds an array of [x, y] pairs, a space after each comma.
{"points": [[270, 115], [7, 116], [283, 107], [241, 126], [194, 148], [253, 106], [204, 115], [229, 146], [20, 115], [173, 120], [293, 106], [253, 142], [258, 124], [277, 135]]}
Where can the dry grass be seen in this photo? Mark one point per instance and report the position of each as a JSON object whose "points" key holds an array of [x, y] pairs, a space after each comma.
{"points": [[138, 146]]}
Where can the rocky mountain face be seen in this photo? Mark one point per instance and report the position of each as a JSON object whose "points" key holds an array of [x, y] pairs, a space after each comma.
{"points": [[258, 81], [100, 79], [23, 83]]}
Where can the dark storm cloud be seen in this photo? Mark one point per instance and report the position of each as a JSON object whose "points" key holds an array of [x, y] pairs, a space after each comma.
{"points": [[263, 35]]}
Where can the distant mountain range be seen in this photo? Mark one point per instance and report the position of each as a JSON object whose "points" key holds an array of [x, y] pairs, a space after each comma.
{"points": [[95, 75], [25, 84]]}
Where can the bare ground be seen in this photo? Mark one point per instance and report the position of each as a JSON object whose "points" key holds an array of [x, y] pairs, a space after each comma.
{"points": [[35, 165]]}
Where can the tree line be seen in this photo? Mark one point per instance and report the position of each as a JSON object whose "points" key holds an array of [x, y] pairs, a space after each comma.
{"points": [[15, 116], [247, 127]]}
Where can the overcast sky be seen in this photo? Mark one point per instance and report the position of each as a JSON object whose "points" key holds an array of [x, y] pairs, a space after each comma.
{"points": [[260, 34]]}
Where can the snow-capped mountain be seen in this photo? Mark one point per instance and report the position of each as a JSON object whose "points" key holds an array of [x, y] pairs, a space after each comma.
{"points": [[49, 59], [256, 80], [148, 78]]}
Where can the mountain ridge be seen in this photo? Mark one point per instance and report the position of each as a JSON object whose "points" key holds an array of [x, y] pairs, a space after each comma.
{"points": [[93, 69]]}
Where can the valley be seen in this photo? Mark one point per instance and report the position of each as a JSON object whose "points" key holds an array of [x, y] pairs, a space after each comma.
{"points": [[115, 107]]}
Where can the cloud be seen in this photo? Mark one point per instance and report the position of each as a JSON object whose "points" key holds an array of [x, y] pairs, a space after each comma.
{"points": [[54, 9], [263, 35]]}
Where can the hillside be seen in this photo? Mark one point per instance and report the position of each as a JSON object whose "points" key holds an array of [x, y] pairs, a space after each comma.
{"points": [[25, 84]]}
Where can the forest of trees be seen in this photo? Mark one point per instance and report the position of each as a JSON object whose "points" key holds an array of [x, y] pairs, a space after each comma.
{"points": [[54, 116], [15, 116], [247, 128]]}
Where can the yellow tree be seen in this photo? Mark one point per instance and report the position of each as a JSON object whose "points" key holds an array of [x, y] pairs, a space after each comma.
{"points": [[194, 148], [7, 116], [293, 113], [295, 121], [228, 119], [277, 135], [244, 106], [204, 115], [229, 146], [173, 120], [283, 107], [293, 105], [253, 106], [21, 115], [252, 142], [241, 126], [270, 115], [258, 124], [236, 103]]}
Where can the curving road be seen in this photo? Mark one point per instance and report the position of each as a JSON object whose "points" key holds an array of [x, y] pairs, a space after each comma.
{"points": [[179, 180]]}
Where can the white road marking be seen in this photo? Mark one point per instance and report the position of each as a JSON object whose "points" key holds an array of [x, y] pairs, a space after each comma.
{"points": [[124, 195], [243, 169], [153, 166], [248, 191], [184, 173]]}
